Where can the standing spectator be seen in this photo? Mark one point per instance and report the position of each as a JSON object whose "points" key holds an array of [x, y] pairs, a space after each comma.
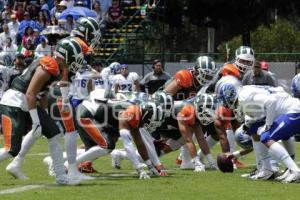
{"points": [[9, 49], [155, 79], [6, 34], [70, 25], [33, 9], [43, 49], [257, 76], [14, 24]]}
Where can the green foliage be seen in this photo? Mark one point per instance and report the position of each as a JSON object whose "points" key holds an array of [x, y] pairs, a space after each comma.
{"points": [[278, 42]]}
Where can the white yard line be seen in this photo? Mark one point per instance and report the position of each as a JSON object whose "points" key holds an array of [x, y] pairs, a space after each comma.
{"points": [[21, 189]]}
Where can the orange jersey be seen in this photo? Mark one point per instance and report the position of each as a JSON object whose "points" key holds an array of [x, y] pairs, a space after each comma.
{"points": [[225, 115], [187, 114], [50, 65], [133, 116]]}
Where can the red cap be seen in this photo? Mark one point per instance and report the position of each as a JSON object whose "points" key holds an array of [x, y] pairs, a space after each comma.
{"points": [[264, 65]]}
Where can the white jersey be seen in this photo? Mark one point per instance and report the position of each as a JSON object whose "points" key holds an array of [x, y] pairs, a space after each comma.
{"points": [[79, 86], [5, 75], [107, 77], [258, 101], [126, 83]]}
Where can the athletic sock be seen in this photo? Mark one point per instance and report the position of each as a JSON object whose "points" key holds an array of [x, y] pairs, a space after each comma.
{"points": [[280, 153]]}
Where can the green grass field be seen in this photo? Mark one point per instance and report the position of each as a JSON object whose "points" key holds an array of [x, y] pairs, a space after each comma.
{"points": [[124, 183]]}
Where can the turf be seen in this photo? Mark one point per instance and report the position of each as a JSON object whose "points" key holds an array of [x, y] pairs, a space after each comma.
{"points": [[124, 183]]}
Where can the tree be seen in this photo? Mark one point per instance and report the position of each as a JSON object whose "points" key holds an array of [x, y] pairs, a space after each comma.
{"points": [[280, 37]]}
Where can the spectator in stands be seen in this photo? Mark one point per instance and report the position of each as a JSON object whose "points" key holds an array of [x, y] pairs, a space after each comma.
{"points": [[6, 34], [69, 25], [61, 7], [43, 49], [42, 20], [23, 3], [33, 10], [9, 49], [70, 3], [105, 4], [28, 48], [37, 38], [114, 15], [7, 13], [53, 21], [257, 76], [14, 24], [20, 12], [155, 79], [44, 5], [28, 35], [53, 10], [151, 4], [100, 14]]}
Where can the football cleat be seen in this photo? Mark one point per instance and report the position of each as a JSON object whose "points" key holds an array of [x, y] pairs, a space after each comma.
{"points": [[66, 180], [284, 174], [263, 175], [187, 165], [48, 162], [15, 170], [79, 176], [115, 160], [86, 167], [293, 177], [250, 174]]}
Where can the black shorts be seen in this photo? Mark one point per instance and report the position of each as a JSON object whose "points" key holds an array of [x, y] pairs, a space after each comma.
{"points": [[16, 123], [94, 133]]}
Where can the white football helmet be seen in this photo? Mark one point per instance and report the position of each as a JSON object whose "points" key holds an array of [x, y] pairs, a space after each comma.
{"points": [[244, 58]]}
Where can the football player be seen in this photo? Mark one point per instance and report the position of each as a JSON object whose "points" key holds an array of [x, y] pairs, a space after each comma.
{"points": [[24, 105], [126, 81]]}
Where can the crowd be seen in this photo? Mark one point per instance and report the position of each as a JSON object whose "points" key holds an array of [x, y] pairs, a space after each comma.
{"points": [[23, 22]]}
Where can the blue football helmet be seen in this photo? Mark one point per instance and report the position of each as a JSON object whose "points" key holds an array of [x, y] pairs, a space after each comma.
{"points": [[295, 86]]}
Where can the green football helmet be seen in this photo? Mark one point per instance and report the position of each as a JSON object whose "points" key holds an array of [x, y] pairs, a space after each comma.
{"points": [[205, 106], [70, 51], [205, 69], [89, 29]]}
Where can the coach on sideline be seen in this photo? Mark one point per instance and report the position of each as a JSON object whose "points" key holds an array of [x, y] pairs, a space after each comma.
{"points": [[257, 76], [155, 79]]}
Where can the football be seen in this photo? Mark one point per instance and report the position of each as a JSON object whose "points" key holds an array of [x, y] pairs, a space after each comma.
{"points": [[224, 164]]}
